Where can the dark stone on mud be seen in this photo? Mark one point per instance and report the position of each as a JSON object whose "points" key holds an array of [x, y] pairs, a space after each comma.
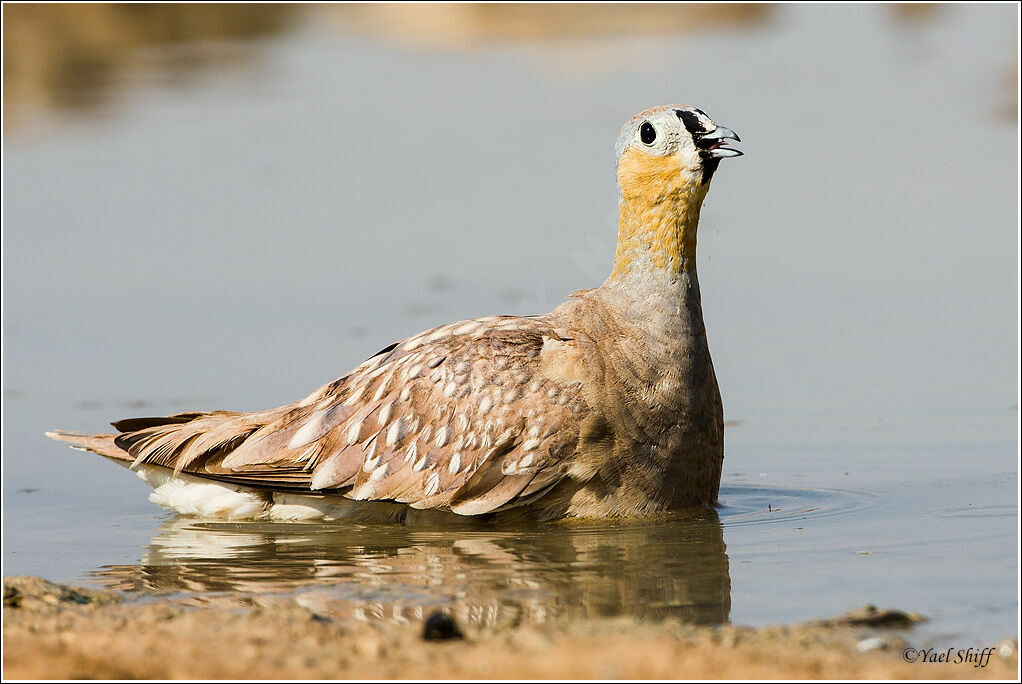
{"points": [[440, 626]]}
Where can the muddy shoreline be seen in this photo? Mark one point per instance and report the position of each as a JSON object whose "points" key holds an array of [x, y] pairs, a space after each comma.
{"points": [[57, 631]]}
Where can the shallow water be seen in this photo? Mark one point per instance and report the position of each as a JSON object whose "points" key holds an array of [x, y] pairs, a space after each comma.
{"points": [[230, 221]]}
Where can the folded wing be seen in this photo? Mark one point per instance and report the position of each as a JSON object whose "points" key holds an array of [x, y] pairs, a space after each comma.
{"points": [[460, 417]]}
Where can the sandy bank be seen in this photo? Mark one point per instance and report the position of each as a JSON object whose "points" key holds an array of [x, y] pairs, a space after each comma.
{"points": [[55, 631]]}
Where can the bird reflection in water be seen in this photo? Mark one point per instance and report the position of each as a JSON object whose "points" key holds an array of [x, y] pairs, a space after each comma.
{"points": [[486, 576]]}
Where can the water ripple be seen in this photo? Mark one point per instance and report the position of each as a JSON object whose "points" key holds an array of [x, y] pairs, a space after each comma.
{"points": [[764, 505]]}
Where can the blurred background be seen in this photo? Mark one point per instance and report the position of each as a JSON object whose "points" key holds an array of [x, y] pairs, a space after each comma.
{"points": [[225, 206]]}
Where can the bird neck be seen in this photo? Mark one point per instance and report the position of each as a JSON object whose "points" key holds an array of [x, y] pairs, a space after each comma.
{"points": [[656, 236], [654, 282]]}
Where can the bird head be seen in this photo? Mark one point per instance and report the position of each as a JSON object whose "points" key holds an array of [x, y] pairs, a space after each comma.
{"points": [[670, 150], [666, 157]]}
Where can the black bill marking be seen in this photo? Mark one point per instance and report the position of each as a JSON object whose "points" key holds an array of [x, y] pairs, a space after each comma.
{"points": [[709, 166], [691, 121], [695, 127]]}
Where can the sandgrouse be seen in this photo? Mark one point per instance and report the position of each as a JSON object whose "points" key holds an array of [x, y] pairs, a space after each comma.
{"points": [[607, 406]]}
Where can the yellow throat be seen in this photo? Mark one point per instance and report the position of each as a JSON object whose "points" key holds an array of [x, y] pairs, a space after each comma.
{"points": [[658, 215]]}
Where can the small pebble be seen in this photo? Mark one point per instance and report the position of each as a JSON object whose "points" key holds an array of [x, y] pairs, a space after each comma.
{"points": [[871, 644], [440, 626]]}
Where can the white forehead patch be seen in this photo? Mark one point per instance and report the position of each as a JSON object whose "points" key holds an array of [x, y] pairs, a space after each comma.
{"points": [[707, 123]]}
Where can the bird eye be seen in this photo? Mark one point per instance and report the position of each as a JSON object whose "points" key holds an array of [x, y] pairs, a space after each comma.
{"points": [[647, 134]]}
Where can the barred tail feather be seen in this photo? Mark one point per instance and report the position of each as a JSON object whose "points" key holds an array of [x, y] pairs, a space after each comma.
{"points": [[97, 444]]}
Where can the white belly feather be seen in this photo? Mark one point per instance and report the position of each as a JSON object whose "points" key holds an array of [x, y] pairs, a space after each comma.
{"points": [[196, 496]]}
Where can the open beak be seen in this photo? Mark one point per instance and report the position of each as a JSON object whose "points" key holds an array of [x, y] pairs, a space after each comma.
{"points": [[713, 143]]}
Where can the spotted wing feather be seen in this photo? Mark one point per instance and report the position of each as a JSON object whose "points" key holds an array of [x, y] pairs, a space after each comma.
{"points": [[458, 417]]}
